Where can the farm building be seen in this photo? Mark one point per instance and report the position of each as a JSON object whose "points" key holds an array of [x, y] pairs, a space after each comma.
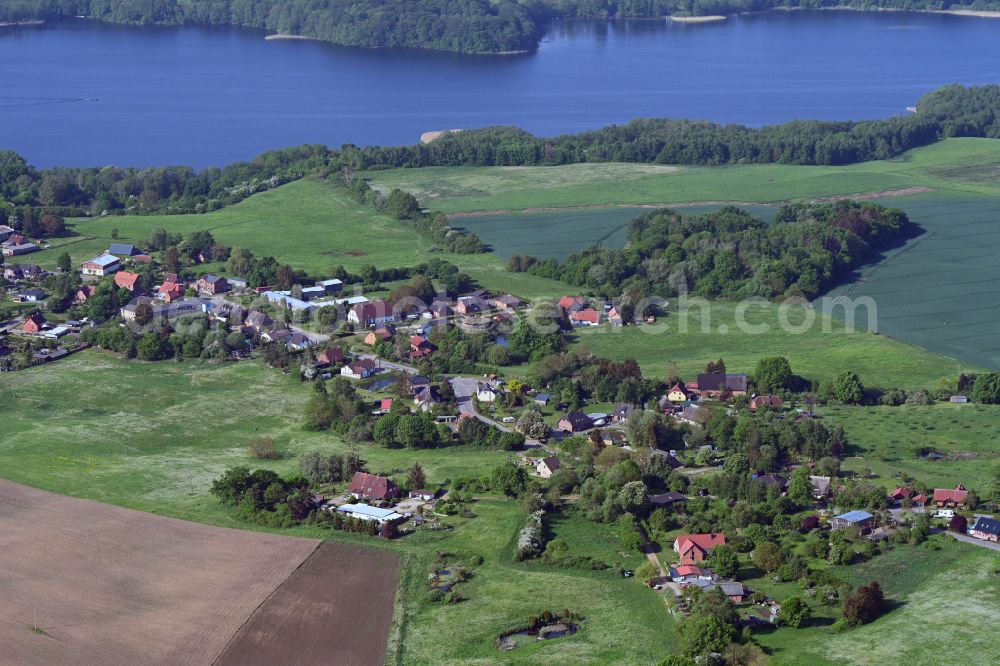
{"points": [[956, 497], [332, 286], [862, 520], [546, 467], [211, 285], [986, 528], [30, 296], [718, 385], [170, 291], [372, 486], [507, 302], [425, 495], [105, 264], [371, 513], [734, 590], [372, 313], [694, 548], [19, 249], [123, 250]]}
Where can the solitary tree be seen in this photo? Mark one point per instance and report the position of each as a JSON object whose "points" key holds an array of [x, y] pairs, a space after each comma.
{"points": [[795, 612], [768, 556], [847, 388], [772, 373], [415, 477]]}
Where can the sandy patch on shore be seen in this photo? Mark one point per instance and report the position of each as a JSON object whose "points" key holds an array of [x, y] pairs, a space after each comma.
{"points": [[698, 19]]}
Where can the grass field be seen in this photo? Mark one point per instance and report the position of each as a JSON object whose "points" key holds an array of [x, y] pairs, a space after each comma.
{"points": [[942, 595], [887, 437], [967, 166], [816, 355], [153, 437], [309, 224]]}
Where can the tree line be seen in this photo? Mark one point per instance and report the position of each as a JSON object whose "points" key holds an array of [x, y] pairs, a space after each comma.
{"points": [[468, 26], [732, 254]]}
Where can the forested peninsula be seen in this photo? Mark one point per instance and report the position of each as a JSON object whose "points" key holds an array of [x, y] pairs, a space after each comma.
{"points": [[953, 111], [467, 26]]}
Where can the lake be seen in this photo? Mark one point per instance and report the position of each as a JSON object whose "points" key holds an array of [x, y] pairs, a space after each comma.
{"points": [[81, 93]]}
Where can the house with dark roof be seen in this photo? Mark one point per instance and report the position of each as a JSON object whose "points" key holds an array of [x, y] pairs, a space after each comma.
{"points": [[213, 284], [330, 356], [779, 483], [667, 499], [546, 467], [34, 323], [718, 385], [772, 401], [372, 487], [622, 411], [575, 422], [123, 250], [986, 528], [259, 321]]}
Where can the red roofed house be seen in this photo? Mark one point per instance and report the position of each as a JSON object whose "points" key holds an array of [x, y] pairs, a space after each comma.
{"points": [[950, 498], [419, 346], [571, 304], [920, 500], [694, 548], [358, 369], [384, 406], [371, 486], [127, 280], [170, 291], [765, 401], [615, 317], [901, 493], [331, 356], [210, 285], [587, 317], [34, 323], [380, 334]]}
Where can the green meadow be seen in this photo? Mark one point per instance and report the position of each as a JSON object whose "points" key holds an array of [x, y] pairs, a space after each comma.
{"points": [[685, 343], [965, 166]]}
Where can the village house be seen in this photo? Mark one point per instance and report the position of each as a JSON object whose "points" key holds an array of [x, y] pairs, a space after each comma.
{"points": [[371, 314], [667, 499], [678, 393], [440, 309], [298, 341], [575, 422], [18, 272], [899, 494], [383, 406], [695, 415], [772, 401], [82, 293], [734, 590], [615, 317], [127, 280], [507, 303], [259, 321], [471, 305], [920, 501], [34, 323], [986, 528], [329, 357], [718, 385], [372, 487], [425, 495], [420, 347], [101, 266], [426, 397], [49, 355], [862, 520], [542, 399], [358, 369], [821, 486], [571, 304], [210, 285], [695, 548], [585, 317], [380, 334], [944, 498], [546, 467], [370, 513], [29, 296], [170, 291], [622, 411], [487, 392], [669, 457]]}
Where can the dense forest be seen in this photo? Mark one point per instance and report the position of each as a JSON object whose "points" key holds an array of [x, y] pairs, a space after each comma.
{"points": [[470, 26], [731, 254], [27, 193]]}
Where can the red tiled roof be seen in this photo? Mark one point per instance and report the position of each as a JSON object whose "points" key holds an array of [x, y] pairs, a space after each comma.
{"points": [[126, 279], [372, 486], [386, 404], [704, 541], [688, 570], [957, 495], [589, 315], [567, 302]]}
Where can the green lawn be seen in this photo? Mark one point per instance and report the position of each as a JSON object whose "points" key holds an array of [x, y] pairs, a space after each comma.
{"points": [[815, 354], [887, 437], [957, 165], [309, 224], [943, 598]]}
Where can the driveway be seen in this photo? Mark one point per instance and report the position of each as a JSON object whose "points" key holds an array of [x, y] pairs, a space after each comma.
{"points": [[389, 365], [465, 388], [976, 542]]}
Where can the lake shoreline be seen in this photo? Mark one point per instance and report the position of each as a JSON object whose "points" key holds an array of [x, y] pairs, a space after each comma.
{"points": [[22, 24]]}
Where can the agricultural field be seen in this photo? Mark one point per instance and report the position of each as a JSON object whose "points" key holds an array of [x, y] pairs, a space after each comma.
{"points": [[364, 580], [940, 593], [951, 167], [89, 583], [816, 355], [887, 440], [154, 441]]}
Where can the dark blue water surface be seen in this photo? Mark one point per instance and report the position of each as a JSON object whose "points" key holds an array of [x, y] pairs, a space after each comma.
{"points": [[203, 97]]}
